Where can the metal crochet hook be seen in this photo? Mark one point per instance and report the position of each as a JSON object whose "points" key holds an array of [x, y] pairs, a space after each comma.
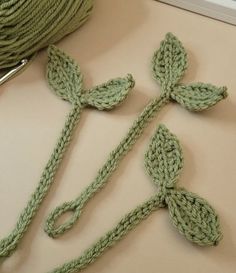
{"points": [[13, 71]]}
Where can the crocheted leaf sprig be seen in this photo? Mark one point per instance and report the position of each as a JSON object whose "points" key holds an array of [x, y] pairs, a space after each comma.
{"points": [[169, 64], [65, 78], [189, 213]]}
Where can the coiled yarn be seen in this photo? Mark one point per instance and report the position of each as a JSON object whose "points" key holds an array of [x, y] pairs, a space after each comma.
{"points": [[29, 25]]}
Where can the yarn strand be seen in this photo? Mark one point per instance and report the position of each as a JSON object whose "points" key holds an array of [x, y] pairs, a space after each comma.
{"points": [[105, 172], [9, 243], [127, 223], [65, 79], [168, 65], [190, 214]]}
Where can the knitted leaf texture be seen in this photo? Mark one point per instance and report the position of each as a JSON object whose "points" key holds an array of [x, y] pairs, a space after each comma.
{"points": [[169, 64], [65, 78], [64, 75], [189, 213], [164, 159], [198, 96], [108, 95]]}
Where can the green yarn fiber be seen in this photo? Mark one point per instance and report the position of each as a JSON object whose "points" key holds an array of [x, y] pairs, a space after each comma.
{"points": [[168, 65], [29, 25], [65, 79], [190, 214]]}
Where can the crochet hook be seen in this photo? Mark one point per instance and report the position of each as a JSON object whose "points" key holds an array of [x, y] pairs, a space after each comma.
{"points": [[13, 71]]}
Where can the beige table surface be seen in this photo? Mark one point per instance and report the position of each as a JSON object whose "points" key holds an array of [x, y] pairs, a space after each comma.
{"points": [[121, 37]]}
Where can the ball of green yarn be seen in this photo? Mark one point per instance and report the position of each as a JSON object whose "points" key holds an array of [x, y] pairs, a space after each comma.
{"points": [[29, 25]]}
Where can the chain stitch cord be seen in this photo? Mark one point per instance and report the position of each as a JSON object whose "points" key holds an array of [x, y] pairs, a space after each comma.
{"points": [[8, 244]]}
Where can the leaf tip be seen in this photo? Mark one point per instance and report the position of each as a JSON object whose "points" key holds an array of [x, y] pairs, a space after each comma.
{"points": [[224, 92], [162, 127], [218, 239], [130, 80], [163, 130], [52, 51], [51, 48], [170, 35]]}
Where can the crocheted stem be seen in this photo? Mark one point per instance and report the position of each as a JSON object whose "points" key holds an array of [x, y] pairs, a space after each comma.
{"points": [[9, 243], [105, 172], [130, 221]]}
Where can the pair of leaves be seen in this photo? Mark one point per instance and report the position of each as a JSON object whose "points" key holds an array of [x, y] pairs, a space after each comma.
{"points": [[189, 213], [169, 64], [65, 78]]}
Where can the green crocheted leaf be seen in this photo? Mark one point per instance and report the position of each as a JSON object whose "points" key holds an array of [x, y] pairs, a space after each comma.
{"points": [[108, 95], [64, 75], [169, 62], [164, 159], [198, 96], [194, 217]]}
